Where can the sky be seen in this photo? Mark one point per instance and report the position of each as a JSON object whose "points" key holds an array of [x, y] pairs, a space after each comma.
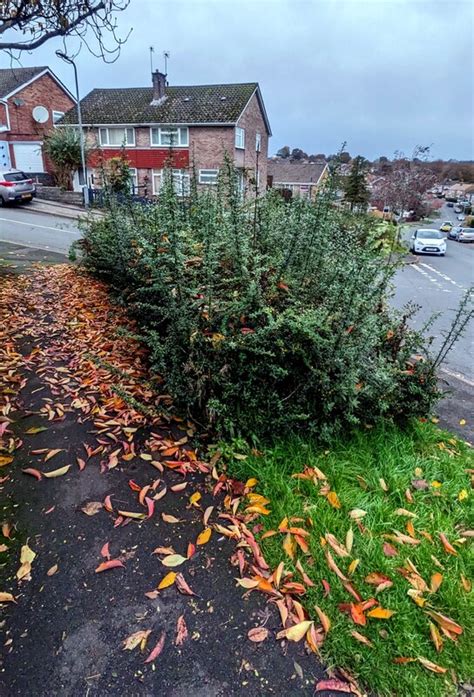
{"points": [[380, 75]]}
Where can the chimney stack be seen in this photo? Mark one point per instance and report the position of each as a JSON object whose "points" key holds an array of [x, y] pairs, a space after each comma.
{"points": [[159, 85]]}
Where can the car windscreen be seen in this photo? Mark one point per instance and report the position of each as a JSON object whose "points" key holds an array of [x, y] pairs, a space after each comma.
{"points": [[15, 177], [430, 235]]}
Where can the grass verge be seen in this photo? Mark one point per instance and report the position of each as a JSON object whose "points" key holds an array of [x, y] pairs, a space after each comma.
{"points": [[421, 470]]}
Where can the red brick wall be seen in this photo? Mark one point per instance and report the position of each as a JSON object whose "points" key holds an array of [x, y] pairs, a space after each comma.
{"points": [[45, 92], [208, 145], [252, 121]]}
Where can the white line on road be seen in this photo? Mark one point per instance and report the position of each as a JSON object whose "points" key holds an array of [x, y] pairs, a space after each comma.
{"points": [[41, 248], [443, 275], [43, 227], [458, 376]]}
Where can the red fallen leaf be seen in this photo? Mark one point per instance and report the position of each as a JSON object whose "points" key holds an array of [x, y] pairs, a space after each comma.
{"points": [[157, 650], [111, 564], [33, 472], [375, 578], [357, 614], [389, 550], [327, 588], [81, 463], [133, 485], [367, 604], [333, 685], [191, 550], [257, 634], [181, 631], [104, 552], [350, 589], [119, 520], [108, 504], [50, 510], [150, 504], [182, 586]]}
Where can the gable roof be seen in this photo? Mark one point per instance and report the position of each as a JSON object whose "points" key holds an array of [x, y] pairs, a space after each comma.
{"points": [[14, 79], [192, 104], [287, 172]]}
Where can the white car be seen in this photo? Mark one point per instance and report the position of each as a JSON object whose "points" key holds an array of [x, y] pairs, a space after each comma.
{"points": [[466, 234], [426, 241]]}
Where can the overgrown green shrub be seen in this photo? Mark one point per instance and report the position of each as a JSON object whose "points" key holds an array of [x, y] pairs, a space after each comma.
{"points": [[63, 147], [263, 316]]}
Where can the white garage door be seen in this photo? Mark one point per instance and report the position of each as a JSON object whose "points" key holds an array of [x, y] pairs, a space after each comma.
{"points": [[28, 157]]}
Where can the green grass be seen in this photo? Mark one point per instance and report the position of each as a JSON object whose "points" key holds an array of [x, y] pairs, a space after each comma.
{"points": [[392, 454]]}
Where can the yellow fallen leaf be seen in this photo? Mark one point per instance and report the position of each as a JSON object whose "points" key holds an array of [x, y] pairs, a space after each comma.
{"points": [[349, 540], [357, 513], [405, 512], [250, 483], [146, 457], [333, 499], [380, 613], [353, 566], [57, 473], [27, 554], [204, 536], [167, 580], [136, 639], [131, 514], [435, 484], [289, 545], [462, 422], [431, 666], [5, 460], [7, 597], [297, 632], [195, 498], [436, 637]]}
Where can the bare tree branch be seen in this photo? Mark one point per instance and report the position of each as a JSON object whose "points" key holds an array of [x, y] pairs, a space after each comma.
{"points": [[38, 21]]}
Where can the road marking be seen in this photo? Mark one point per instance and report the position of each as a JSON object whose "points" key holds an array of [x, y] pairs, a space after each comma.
{"points": [[443, 275], [43, 248], [43, 227], [426, 274], [458, 376]]}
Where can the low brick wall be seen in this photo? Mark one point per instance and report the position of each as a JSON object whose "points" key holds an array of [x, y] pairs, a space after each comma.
{"points": [[54, 193]]}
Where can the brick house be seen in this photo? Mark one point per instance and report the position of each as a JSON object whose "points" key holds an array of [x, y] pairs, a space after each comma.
{"points": [[191, 126], [297, 178], [32, 100]]}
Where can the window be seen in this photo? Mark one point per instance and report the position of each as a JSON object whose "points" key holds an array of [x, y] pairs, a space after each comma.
{"points": [[240, 183], [181, 181], [116, 137], [258, 142], [170, 137], [57, 115], [240, 138], [133, 180], [208, 176]]}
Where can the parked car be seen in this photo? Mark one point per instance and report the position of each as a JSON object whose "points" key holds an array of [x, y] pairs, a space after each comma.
{"points": [[15, 186], [458, 209], [454, 232], [450, 204], [461, 217], [446, 226], [466, 234], [425, 241]]}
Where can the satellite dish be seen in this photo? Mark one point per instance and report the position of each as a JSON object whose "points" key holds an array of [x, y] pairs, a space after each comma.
{"points": [[40, 114]]}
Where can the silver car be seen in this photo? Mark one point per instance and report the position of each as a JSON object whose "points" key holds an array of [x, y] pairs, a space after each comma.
{"points": [[15, 186], [466, 234]]}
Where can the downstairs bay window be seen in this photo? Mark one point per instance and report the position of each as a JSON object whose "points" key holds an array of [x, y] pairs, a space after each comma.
{"points": [[181, 181]]}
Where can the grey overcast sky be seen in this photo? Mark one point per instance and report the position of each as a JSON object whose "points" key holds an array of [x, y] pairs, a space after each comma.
{"points": [[383, 75]]}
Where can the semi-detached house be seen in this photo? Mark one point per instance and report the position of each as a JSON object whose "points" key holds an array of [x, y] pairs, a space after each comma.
{"points": [[194, 126]]}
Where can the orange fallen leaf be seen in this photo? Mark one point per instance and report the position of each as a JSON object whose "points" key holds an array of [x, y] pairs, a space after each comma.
{"points": [[110, 564], [380, 613], [167, 580], [204, 536], [445, 622], [323, 618], [447, 545], [436, 581], [357, 614], [333, 499]]}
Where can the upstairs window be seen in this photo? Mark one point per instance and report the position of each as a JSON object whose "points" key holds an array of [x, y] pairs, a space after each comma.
{"points": [[57, 115], [116, 137], [208, 176], [258, 142], [170, 137], [240, 138]]}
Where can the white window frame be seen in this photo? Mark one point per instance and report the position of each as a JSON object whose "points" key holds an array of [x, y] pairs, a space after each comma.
{"points": [[57, 115], [180, 176], [159, 133], [208, 176], [133, 179], [240, 138], [105, 143], [258, 142]]}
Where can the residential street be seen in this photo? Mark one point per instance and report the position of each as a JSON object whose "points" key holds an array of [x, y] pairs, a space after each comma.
{"points": [[49, 232], [437, 284]]}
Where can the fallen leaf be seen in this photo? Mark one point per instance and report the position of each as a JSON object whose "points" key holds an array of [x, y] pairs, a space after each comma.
{"points": [[132, 514], [353, 566], [297, 631], [360, 637], [167, 580], [52, 453], [357, 513], [157, 650], [336, 546], [195, 498], [136, 639], [108, 504], [383, 484], [436, 581], [431, 666], [182, 586], [445, 622], [357, 614], [376, 578], [92, 507], [5, 460], [204, 536], [258, 634], [57, 473], [35, 429], [110, 564], [289, 545], [247, 583], [181, 631], [164, 550], [349, 540], [104, 552], [324, 619], [6, 530], [333, 566], [380, 613], [402, 659], [34, 472], [333, 499], [170, 518], [446, 544], [389, 550], [333, 686], [179, 487], [173, 560], [7, 597], [466, 583], [436, 637], [405, 512], [52, 570]]}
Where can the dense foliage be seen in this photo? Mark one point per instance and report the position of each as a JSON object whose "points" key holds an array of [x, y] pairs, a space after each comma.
{"points": [[263, 316], [63, 147]]}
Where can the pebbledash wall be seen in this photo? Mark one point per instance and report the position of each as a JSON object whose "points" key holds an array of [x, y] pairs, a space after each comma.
{"points": [[43, 91], [207, 148]]}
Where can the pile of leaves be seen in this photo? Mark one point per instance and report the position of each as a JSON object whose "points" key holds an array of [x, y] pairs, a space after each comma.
{"points": [[372, 541], [263, 316]]}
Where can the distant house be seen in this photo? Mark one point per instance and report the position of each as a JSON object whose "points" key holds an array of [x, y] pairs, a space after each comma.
{"points": [[32, 100], [188, 126], [296, 178]]}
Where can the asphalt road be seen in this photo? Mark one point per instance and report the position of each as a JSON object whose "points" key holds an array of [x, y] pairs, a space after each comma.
{"points": [[38, 230], [437, 285]]}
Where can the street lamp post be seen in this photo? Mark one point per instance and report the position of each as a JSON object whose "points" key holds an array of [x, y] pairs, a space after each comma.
{"points": [[69, 60]]}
